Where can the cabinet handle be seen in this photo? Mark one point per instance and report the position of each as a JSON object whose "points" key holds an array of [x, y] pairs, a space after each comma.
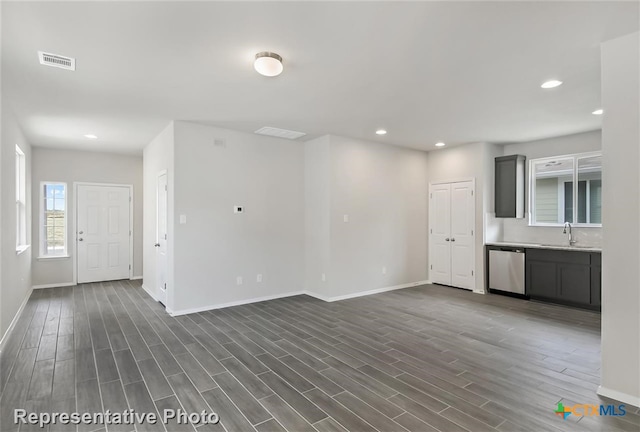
{"points": [[453, 239], [447, 239]]}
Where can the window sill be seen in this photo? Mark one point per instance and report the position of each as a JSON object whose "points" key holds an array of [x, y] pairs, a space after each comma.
{"points": [[53, 257], [21, 249]]}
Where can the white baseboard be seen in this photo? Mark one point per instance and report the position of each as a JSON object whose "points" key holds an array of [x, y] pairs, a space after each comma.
{"points": [[230, 304], [15, 319], [54, 285], [366, 293], [151, 293], [289, 294], [136, 277], [619, 396]]}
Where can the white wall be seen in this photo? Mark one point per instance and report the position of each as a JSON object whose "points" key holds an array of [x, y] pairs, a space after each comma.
{"points": [[621, 220], [157, 157], [465, 162], [69, 166], [317, 229], [518, 230], [15, 279], [383, 190], [265, 176]]}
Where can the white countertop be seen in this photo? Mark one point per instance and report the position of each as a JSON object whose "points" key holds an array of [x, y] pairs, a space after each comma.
{"points": [[577, 248]]}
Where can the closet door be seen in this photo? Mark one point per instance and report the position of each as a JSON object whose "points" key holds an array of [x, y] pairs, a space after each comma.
{"points": [[439, 233], [462, 235]]}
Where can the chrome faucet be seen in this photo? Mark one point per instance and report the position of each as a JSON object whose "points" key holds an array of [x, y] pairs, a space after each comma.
{"points": [[564, 231]]}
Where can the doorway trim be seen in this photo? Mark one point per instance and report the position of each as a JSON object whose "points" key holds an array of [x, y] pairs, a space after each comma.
{"points": [[75, 224], [156, 296]]}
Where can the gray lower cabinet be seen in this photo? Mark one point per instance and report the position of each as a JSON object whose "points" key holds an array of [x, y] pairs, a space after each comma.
{"points": [[565, 277]]}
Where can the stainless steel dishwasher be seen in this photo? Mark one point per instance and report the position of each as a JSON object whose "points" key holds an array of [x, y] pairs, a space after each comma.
{"points": [[506, 269]]}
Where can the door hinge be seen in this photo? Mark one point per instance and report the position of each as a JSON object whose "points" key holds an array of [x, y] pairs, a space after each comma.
{"points": [[430, 195], [129, 199], [431, 231], [471, 272], [129, 266], [431, 267], [471, 193], [129, 233], [165, 286], [471, 232], [165, 236], [165, 188]]}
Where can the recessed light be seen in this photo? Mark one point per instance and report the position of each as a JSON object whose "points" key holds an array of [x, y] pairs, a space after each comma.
{"points": [[268, 64], [91, 136], [440, 144], [381, 132], [551, 84], [599, 111]]}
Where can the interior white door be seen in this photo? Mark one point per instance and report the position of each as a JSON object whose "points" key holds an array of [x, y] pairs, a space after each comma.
{"points": [[462, 226], [103, 232], [161, 238], [439, 233], [451, 236]]}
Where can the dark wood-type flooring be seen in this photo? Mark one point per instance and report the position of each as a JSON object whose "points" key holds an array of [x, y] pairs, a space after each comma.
{"points": [[428, 358]]}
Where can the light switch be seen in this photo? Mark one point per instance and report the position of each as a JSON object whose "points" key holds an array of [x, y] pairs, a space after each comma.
{"points": [[183, 219], [346, 218]]}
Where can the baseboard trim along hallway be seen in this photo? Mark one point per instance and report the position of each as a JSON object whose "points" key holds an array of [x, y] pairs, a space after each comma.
{"points": [[284, 295]]}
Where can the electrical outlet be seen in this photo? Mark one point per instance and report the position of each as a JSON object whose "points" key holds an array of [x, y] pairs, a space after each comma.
{"points": [[183, 219], [239, 280], [259, 278], [238, 209], [324, 277], [346, 218], [384, 270]]}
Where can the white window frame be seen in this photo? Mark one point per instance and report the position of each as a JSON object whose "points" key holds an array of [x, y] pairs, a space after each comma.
{"points": [[532, 190], [21, 201], [43, 254]]}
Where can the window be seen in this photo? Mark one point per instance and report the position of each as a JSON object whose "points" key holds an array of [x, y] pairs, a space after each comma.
{"points": [[554, 199], [21, 201], [53, 217]]}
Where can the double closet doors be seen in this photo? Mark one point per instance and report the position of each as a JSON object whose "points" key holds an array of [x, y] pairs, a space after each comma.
{"points": [[451, 234]]}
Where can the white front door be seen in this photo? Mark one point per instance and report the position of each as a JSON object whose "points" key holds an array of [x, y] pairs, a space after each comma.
{"points": [[103, 232], [462, 244], [440, 221], [451, 236], [161, 239]]}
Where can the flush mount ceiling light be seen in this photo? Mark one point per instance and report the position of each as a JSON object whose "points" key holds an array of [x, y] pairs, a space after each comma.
{"points": [[599, 111], [91, 136], [551, 84], [268, 64], [440, 144], [381, 132]]}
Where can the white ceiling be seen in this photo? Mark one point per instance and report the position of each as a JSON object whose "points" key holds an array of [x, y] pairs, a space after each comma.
{"points": [[426, 71]]}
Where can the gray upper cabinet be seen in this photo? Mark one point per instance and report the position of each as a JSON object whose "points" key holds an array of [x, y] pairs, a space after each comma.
{"points": [[509, 186]]}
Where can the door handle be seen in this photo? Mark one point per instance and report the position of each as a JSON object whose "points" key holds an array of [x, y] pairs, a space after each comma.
{"points": [[80, 239], [453, 239], [447, 239], [81, 232], [157, 245]]}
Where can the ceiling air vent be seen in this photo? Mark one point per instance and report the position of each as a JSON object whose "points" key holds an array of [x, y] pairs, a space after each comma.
{"points": [[56, 60], [279, 133]]}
